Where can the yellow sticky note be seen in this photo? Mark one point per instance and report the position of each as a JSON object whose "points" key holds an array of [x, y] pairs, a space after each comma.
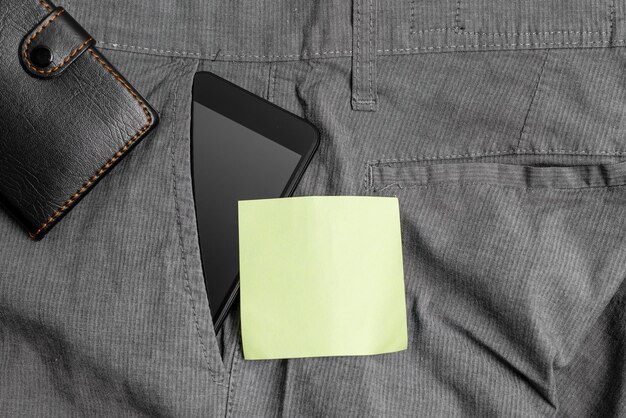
{"points": [[321, 276]]}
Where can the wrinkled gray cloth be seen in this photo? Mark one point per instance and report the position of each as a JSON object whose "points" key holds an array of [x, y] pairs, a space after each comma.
{"points": [[499, 125]]}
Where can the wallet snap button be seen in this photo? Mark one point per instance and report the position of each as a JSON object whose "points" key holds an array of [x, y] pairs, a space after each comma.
{"points": [[41, 56]]}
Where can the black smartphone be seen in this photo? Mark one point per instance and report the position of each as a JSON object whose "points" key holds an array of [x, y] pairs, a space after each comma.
{"points": [[243, 147]]}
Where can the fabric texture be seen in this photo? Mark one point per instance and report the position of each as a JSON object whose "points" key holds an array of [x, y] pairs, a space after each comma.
{"points": [[498, 125]]}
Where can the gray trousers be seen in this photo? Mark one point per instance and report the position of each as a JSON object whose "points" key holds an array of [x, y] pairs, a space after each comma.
{"points": [[500, 126]]}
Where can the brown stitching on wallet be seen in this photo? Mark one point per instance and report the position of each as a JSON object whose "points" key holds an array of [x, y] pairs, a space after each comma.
{"points": [[36, 34], [117, 155], [44, 4]]}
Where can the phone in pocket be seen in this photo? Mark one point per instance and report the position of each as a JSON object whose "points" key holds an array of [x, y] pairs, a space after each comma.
{"points": [[243, 147]]}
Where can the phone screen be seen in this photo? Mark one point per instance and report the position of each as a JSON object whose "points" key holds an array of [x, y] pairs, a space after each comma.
{"points": [[230, 163]]}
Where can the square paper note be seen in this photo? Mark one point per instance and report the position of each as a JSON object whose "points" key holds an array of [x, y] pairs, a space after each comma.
{"points": [[321, 276]]}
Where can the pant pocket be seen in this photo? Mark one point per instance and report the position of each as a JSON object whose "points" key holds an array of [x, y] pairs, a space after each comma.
{"points": [[537, 176], [519, 256]]}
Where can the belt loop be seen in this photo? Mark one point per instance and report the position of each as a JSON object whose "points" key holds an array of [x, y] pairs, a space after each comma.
{"points": [[364, 95]]}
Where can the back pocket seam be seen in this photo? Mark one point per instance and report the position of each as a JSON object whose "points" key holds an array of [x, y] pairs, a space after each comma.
{"points": [[403, 175]]}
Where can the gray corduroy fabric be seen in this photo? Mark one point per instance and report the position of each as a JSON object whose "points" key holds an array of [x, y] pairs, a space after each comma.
{"points": [[499, 125]]}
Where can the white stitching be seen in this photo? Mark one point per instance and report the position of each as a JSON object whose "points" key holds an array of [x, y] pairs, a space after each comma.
{"points": [[495, 153], [357, 80], [216, 375], [370, 52], [504, 34], [412, 25], [612, 20], [533, 97], [536, 44], [579, 189], [109, 45], [198, 54]]}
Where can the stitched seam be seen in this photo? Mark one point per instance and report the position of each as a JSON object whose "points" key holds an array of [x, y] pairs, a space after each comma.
{"points": [[532, 99], [44, 4], [115, 157], [507, 34], [61, 65], [36, 34], [220, 54], [612, 20], [412, 22], [453, 183], [370, 101], [370, 52], [271, 82], [216, 375], [347, 53], [357, 80], [537, 44], [496, 153], [368, 179], [556, 32], [186, 272], [232, 382], [187, 283], [274, 83], [457, 25]]}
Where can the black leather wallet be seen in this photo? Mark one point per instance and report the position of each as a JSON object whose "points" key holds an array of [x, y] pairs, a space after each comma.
{"points": [[67, 116]]}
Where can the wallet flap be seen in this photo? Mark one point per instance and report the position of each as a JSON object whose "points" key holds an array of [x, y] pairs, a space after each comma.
{"points": [[56, 42]]}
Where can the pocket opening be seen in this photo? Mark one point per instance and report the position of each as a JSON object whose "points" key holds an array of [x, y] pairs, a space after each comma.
{"points": [[547, 172]]}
